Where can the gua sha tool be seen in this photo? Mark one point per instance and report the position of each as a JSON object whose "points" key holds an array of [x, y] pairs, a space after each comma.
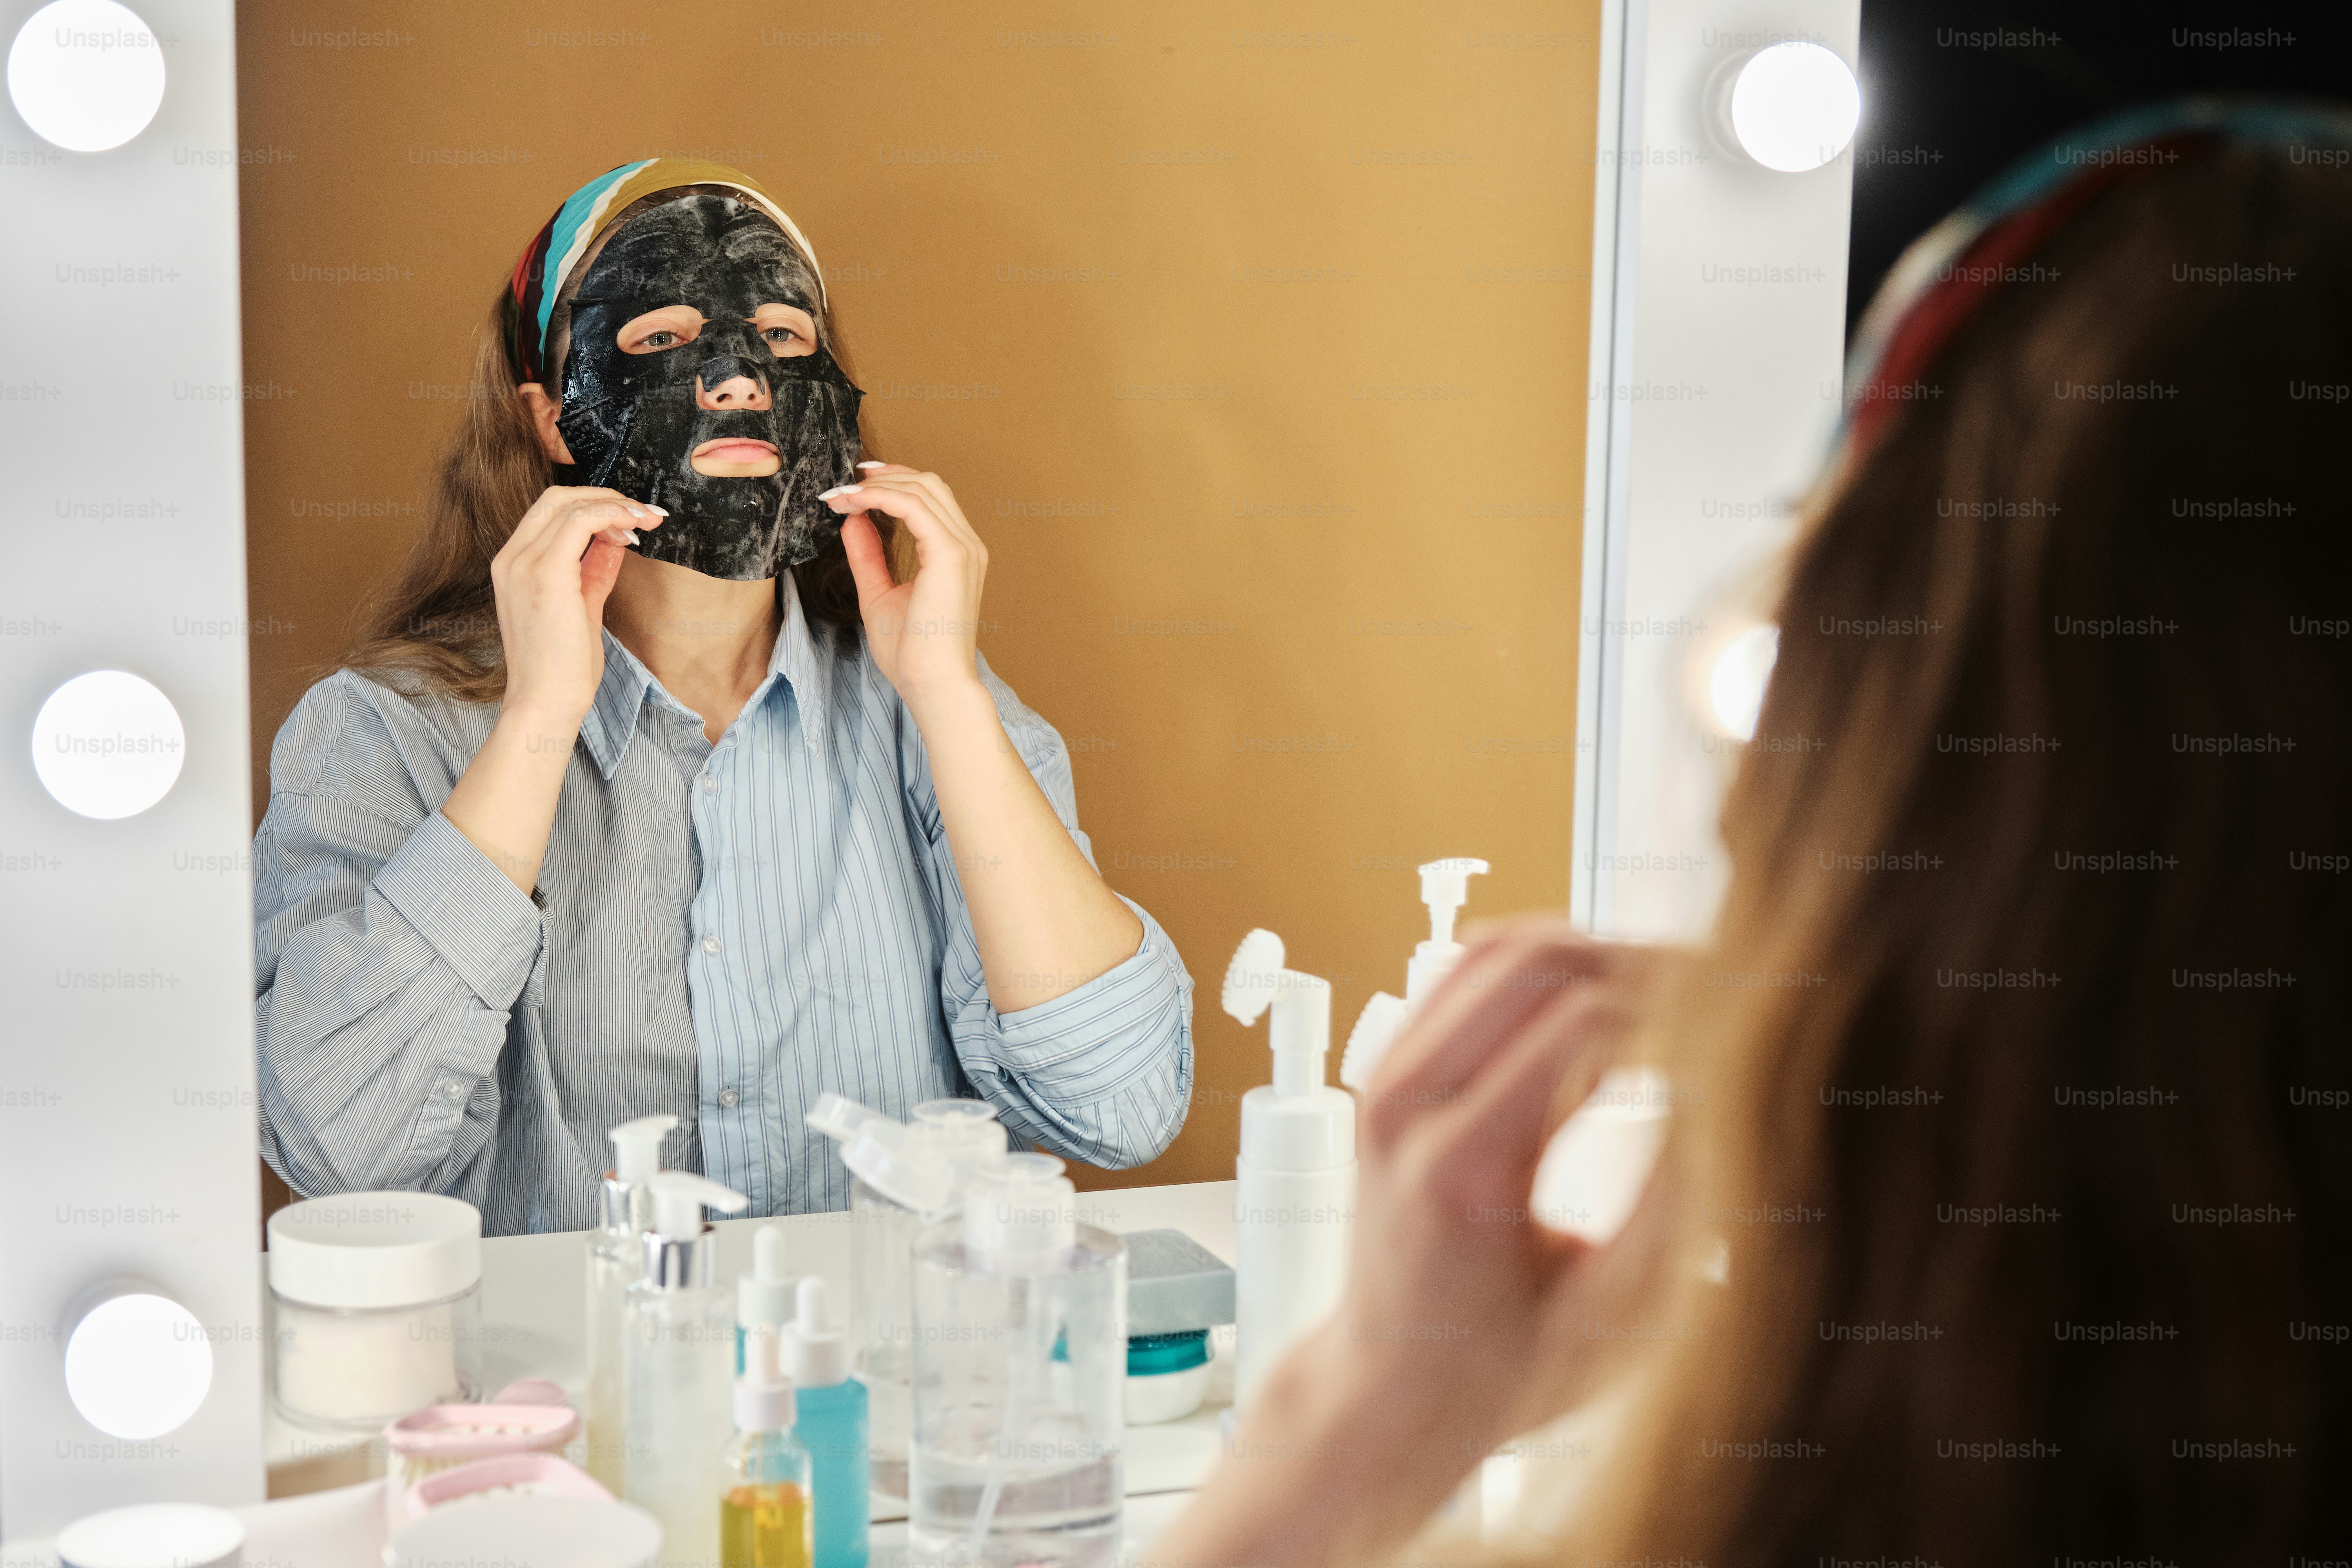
{"points": [[633, 421]]}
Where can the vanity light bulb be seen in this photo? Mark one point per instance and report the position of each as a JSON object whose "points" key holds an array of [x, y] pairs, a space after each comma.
{"points": [[1794, 107], [108, 744], [86, 75], [1735, 685], [138, 1365]]}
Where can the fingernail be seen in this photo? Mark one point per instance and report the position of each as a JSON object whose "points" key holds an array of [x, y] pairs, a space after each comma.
{"points": [[657, 510], [870, 464], [836, 490], [633, 536], [634, 511]]}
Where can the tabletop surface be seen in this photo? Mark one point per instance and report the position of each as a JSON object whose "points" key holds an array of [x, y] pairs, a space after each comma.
{"points": [[534, 1324]]}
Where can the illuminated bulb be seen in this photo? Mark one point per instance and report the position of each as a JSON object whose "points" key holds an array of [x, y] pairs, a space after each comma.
{"points": [[87, 75], [108, 744], [1794, 107], [138, 1365], [1736, 682]]}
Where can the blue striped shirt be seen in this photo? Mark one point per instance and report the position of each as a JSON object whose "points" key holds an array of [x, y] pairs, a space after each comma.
{"points": [[720, 932]]}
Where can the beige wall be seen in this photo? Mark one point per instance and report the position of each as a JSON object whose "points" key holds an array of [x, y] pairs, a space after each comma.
{"points": [[1285, 313]]}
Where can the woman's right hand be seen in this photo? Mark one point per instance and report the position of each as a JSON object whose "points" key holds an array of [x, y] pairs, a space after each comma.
{"points": [[551, 579]]}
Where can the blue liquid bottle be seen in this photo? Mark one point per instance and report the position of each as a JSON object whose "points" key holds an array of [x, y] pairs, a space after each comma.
{"points": [[830, 1426]]}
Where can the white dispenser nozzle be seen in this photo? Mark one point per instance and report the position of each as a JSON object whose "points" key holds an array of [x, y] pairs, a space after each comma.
{"points": [[840, 1117], [765, 1294], [764, 1396], [820, 1354], [1020, 1212], [679, 1197], [1300, 1033], [637, 1146], [1445, 885], [964, 1133]]}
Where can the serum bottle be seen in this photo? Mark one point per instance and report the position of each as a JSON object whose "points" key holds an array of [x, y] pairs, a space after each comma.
{"points": [[831, 1427], [765, 1516], [615, 1259], [678, 1355]]}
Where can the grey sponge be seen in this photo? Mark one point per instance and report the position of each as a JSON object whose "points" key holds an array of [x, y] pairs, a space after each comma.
{"points": [[1174, 1285]]}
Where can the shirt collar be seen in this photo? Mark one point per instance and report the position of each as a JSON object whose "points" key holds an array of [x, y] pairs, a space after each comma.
{"points": [[800, 658]]}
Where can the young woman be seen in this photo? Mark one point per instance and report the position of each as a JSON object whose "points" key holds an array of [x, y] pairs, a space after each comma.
{"points": [[2031, 1163], [651, 790]]}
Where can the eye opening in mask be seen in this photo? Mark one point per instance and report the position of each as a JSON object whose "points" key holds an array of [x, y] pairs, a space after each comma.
{"points": [[789, 331]]}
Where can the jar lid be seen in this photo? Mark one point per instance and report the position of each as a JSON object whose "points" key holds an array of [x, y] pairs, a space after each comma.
{"points": [[152, 1536], [375, 1249], [525, 1531]]}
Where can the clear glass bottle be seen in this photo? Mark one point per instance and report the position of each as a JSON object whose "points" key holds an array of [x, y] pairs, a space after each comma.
{"points": [[765, 1520], [1020, 1363], [678, 1366]]}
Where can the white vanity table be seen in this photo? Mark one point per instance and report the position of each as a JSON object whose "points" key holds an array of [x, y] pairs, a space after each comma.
{"points": [[327, 1511]]}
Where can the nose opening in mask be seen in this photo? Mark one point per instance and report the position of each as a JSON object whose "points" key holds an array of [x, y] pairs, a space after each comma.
{"points": [[727, 381]]}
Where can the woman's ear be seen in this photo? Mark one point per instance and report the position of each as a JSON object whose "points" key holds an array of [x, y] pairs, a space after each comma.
{"points": [[543, 410]]}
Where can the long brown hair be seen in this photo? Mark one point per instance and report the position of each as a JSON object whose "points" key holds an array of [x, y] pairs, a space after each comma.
{"points": [[436, 623], [2023, 1034]]}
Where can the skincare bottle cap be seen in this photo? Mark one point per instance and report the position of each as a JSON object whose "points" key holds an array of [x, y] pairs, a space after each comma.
{"points": [[964, 1133], [637, 1146], [840, 1117], [820, 1354], [1377, 1027], [891, 1160], [1020, 1213], [1445, 885], [764, 1396], [1300, 1033], [765, 1294], [679, 1197]]}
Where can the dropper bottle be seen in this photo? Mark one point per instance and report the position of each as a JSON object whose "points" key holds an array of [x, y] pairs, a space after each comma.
{"points": [[1294, 1183], [765, 1516], [1444, 887], [615, 1259], [765, 1294], [677, 1366], [831, 1426]]}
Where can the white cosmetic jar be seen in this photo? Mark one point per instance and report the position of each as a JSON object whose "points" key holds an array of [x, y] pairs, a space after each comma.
{"points": [[376, 1305]]}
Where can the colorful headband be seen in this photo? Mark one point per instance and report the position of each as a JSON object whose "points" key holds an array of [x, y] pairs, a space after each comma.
{"points": [[564, 238], [1949, 271]]}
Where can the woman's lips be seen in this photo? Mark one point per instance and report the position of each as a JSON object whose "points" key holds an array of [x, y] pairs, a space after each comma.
{"points": [[735, 457]]}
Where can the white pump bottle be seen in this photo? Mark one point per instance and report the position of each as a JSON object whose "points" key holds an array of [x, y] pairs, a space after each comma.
{"points": [[1444, 887], [678, 1366], [1294, 1193], [615, 1259]]}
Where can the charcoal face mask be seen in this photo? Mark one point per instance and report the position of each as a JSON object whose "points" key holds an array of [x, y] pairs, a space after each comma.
{"points": [[632, 421]]}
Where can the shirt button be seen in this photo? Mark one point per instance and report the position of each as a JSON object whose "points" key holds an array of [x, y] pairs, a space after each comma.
{"points": [[711, 944], [729, 1098], [453, 1088], [709, 784]]}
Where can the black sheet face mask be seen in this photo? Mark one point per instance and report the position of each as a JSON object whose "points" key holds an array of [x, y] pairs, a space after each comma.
{"points": [[633, 421]]}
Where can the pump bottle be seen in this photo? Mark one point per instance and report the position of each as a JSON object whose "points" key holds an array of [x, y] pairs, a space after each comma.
{"points": [[831, 1427], [765, 1294], [1294, 1193], [1020, 1372], [765, 1516], [1445, 885], [615, 1259], [678, 1367], [904, 1176]]}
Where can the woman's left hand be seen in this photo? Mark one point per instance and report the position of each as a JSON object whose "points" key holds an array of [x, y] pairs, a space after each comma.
{"points": [[922, 633]]}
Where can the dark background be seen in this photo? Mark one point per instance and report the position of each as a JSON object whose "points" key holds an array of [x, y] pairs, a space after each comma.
{"points": [[1965, 111]]}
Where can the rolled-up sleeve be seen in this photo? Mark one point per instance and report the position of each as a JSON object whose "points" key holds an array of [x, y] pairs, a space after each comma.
{"points": [[1103, 1072], [391, 955]]}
